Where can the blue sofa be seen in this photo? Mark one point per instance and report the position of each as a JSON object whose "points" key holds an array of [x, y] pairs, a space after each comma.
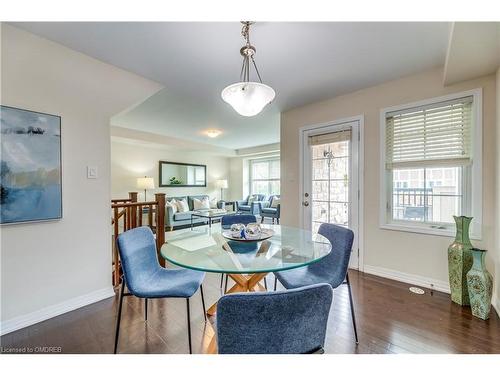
{"points": [[272, 212], [184, 218], [242, 206]]}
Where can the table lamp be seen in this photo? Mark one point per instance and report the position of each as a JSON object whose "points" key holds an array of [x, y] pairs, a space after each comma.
{"points": [[146, 183], [221, 184]]}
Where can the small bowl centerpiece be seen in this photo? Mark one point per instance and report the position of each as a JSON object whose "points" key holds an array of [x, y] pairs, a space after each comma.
{"points": [[253, 230], [237, 229]]}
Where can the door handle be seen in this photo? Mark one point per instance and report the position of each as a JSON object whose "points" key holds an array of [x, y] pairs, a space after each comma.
{"points": [[305, 203]]}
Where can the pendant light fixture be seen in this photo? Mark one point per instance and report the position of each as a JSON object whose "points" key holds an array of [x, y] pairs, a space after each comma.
{"points": [[246, 97]]}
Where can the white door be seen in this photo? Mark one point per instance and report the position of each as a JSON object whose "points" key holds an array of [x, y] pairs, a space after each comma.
{"points": [[330, 178]]}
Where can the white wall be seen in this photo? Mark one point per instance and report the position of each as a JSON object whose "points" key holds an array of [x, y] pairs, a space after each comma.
{"points": [[130, 160], [48, 268], [423, 256]]}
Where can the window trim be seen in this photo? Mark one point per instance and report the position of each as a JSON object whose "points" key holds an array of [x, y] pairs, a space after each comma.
{"points": [[473, 191], [250, 169]]}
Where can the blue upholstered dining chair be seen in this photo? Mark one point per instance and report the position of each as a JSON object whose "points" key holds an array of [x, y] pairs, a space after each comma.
{"points": [[332, 269], [145, 278], [285, 322], [226, 222]]}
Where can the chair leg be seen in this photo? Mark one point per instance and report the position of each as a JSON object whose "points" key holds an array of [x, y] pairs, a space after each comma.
{"points": [[145, 309], [189, 326], [265, 283], [119, 316], [275, 282], [203, 303], [225, 286], [221, 280], [352, 308]]}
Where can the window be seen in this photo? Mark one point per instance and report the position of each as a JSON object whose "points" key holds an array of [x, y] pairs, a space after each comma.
{"points": [[265, 176], [431, 164]]}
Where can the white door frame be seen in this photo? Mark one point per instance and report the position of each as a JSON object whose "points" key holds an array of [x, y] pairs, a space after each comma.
{"points": [[361, 143]]}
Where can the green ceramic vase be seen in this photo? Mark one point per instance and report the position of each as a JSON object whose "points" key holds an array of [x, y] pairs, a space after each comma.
{"points": [[480, 285], [460, 261]]}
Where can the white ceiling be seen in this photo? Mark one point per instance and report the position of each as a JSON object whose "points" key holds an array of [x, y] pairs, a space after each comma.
{"points": [[303, 62]]}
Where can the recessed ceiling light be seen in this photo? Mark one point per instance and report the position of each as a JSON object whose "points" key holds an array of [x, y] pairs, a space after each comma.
{"points": [[212, 133]]}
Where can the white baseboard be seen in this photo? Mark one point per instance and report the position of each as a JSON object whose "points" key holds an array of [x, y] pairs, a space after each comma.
{"points": [[426, 282], [441, 286], [51, 311]]}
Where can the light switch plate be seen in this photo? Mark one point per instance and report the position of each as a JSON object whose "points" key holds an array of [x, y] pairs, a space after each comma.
{"points": [[91, 172]]}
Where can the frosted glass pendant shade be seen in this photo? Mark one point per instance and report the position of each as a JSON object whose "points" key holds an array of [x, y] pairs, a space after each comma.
{"points": [[248, 98]]}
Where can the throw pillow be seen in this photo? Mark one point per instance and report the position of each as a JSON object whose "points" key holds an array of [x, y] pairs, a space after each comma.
{"points": [[201, 204], [275, 202], [182, 206], [172, 204], [213, 203], [251, 199]]}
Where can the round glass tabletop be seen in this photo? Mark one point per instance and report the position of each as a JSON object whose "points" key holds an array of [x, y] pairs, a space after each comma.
{"points": [[205, 249]]}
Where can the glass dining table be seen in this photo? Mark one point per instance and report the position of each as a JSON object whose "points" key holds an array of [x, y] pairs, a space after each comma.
{"points": [[247, 263]]}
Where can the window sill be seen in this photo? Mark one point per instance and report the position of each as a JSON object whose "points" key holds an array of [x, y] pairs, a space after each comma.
{"points": [[425, 230], [416, 229]]}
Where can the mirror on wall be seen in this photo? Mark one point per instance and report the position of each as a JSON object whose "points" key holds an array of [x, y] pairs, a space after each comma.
{"points": [[181, 174]]}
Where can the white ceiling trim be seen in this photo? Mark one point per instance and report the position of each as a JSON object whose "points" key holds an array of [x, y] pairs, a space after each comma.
{"points": [[473, 51], [140, 137]]}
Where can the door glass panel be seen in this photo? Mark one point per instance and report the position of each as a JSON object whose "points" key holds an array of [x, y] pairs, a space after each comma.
{"points": [[330, 183]]}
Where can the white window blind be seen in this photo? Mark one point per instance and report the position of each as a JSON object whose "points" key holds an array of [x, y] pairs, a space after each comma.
{"points": [[437, 134], [340, 136]]}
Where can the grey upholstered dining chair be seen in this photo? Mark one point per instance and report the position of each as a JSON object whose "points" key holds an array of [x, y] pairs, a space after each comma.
{"points": [[332, 269], [285, 322], [145, 278], [226, 222]]}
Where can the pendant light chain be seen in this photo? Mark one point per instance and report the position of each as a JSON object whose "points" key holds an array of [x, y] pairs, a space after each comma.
{"points": [[248, 52]]}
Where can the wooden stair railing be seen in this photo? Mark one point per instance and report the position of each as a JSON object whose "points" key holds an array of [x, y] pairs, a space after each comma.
{"points": [[128, 214]]}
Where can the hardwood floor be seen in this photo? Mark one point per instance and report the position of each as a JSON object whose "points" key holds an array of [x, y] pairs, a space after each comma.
{"points": [[390, 320]]}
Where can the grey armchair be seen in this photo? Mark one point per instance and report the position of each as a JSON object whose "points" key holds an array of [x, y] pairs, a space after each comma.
{"points": [[243, 207], [271, 212]]}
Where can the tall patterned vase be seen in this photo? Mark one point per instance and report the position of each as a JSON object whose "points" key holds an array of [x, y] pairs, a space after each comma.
{"points": [[480, 285], [460, 261]]}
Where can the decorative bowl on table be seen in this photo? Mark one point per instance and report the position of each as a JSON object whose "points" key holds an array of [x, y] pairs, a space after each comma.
{"points": [[236, 230], [251, 232]]}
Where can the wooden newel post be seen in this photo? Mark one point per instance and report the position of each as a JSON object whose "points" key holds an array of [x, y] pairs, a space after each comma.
{"points": [[133, 210], [160, 225]]}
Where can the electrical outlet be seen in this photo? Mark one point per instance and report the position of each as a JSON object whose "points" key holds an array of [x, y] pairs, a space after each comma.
{"points": [[92, 172]]}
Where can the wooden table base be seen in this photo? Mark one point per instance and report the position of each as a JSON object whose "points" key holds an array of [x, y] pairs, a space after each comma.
{"points": [[244, 283]]}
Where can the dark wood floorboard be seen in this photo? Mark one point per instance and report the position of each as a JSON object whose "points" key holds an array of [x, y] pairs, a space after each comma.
{"points": [[390, 320]]}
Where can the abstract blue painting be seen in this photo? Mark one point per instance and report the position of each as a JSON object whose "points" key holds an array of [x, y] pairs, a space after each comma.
{"points": [[30, 183]]}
